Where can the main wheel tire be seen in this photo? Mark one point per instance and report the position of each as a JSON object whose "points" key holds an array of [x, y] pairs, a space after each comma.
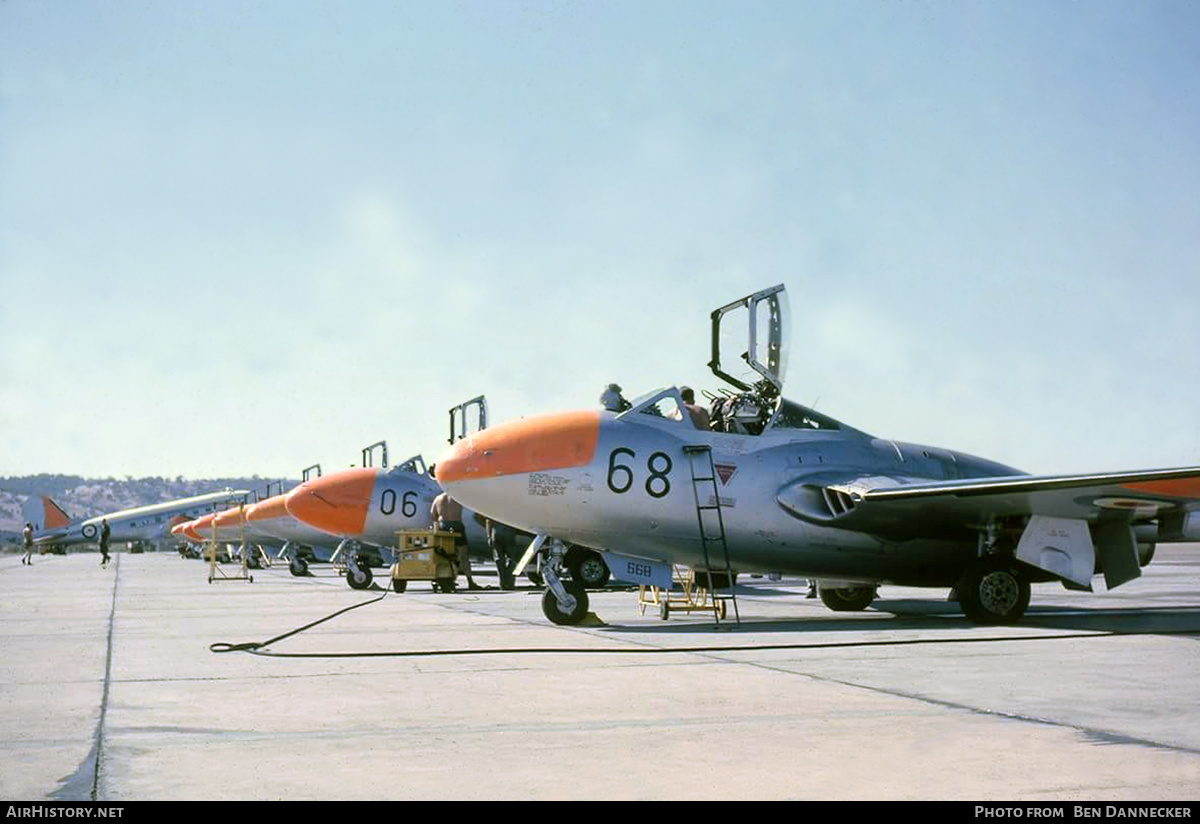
{"points": [[358, 576], [588, 568], [994, 591], [846, 599], [555, 613], [298, 567]]}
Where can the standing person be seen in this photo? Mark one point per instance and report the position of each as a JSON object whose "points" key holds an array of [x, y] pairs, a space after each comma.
{"points": [[27, 540], [500, 539], [104, 535], [447, 516]]}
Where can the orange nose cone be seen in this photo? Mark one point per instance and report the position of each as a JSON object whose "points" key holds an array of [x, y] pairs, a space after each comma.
{"points": [[557, 441], [335, 503], [205, 523], [268, 510], [229, 517]]}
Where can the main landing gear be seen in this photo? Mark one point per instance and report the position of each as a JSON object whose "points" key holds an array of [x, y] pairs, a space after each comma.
{"points": [[847, 599], [587, 567], [994, 590]]}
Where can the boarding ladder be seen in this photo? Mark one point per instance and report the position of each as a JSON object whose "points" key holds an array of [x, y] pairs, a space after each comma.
{"points": [[215, 572], [712, 525]]}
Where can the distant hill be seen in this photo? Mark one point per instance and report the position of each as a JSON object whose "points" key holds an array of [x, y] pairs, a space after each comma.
{"points": [[84, 497]]}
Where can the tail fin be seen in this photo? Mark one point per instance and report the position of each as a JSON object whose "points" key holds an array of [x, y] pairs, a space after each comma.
{"points": [[44, 514], [54, 514]]}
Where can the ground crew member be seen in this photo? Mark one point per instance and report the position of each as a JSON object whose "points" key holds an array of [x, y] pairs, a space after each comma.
{"points": [[27, 540], [500, 539], [104, 533], [447, 516]]}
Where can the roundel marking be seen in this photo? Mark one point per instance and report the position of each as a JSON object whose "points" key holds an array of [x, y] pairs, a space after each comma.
{"points": [[1138, 506]]}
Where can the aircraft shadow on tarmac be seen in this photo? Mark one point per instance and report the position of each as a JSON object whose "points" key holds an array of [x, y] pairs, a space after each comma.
{"points": [[887, 614], [891, 615]]}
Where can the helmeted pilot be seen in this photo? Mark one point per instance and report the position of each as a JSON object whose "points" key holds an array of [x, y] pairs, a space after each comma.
{"points": [[612, 400]]}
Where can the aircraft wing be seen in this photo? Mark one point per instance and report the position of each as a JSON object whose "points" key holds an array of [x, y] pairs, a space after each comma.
{"points": [[902, 507]]}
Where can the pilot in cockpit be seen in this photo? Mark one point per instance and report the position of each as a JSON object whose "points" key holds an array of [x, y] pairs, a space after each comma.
{"points": [[698, 414], [612, 399]]}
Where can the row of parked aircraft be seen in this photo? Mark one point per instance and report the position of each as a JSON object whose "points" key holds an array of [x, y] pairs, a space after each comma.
{"points": [[354, 514], [754, 483]]}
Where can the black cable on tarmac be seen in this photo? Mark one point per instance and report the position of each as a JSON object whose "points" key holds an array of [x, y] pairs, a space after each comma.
{"points": [[253, 647]]}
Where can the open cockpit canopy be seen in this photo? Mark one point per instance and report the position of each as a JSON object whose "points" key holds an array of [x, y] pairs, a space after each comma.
{"points": [[468, 418], [415, 465], [756, 327]]}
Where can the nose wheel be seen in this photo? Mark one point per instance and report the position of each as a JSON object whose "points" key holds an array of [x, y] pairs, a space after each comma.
{"points": [[564, 602], [358, 574], [575, 609]]}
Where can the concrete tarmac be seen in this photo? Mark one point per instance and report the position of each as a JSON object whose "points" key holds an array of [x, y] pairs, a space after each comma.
{"points": [[110, 691]]}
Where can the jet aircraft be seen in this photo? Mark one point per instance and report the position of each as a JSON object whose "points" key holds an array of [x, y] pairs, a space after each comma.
{"points": [[140, 526], [369, 504], [774, 486]]}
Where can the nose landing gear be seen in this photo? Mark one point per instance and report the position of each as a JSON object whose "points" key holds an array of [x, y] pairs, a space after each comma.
{"points": [[564, 602]]}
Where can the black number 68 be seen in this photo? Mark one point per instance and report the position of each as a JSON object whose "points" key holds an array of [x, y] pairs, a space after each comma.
{"points": [[620, 476]]}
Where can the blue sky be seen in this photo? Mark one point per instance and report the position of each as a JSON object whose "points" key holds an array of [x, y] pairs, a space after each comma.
{"points": [[244, 237]]}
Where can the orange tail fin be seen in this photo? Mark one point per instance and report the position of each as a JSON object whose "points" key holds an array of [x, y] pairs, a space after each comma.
{"points": [[53, 515]]}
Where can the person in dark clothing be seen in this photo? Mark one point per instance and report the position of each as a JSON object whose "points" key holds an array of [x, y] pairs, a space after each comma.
{"points": [[500, 540], [104, 535], [447, 517]]}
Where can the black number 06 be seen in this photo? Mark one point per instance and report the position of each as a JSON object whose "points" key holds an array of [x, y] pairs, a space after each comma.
{"points": [[408, 504]]}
